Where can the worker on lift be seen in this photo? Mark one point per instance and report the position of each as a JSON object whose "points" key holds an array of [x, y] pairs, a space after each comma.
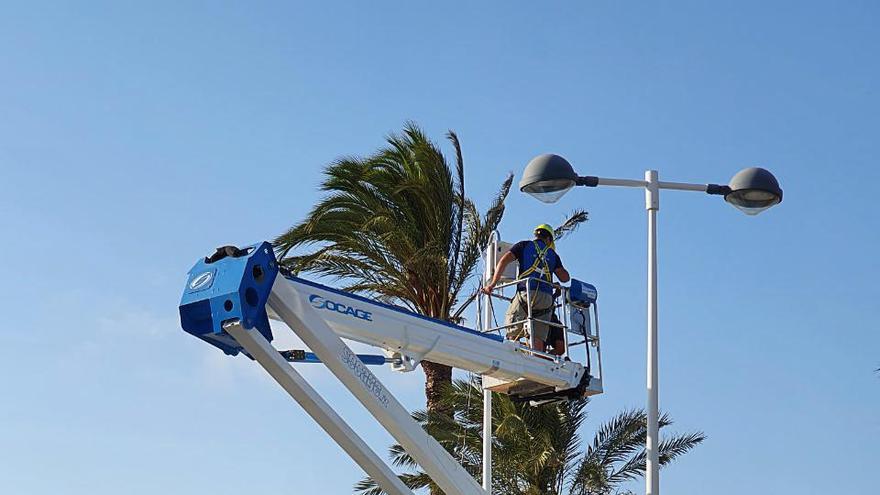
{"points": [[538, 262]]}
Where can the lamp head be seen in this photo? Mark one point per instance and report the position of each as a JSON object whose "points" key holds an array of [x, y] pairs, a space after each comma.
{"points": [[548, 177], [753, 190]]}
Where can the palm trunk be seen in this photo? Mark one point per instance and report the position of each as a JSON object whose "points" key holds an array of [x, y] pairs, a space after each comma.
{"points": [[437, 376]]}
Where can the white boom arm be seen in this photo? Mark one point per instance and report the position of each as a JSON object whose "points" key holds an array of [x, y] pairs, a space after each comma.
{"points": [[290, 305], [415, 338], [269, 358]]}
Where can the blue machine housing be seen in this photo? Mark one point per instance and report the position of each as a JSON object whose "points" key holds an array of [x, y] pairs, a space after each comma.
{"points": [[229, 287], [582, 292]]}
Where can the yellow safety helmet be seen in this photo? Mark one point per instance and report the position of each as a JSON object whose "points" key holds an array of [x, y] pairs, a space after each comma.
{"points": [[547, 228]]}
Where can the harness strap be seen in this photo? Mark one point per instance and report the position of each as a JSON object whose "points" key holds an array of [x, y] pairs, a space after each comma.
{"points": [[541, 257]]}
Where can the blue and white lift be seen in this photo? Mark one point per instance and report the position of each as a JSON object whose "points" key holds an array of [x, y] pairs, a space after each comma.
{"points": [[231, 296]]}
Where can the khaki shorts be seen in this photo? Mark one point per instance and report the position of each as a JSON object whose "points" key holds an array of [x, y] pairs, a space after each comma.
{"points": [[542, 303]]}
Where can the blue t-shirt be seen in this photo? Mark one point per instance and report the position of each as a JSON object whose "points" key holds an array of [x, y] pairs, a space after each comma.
{"points": [[526, 252]]}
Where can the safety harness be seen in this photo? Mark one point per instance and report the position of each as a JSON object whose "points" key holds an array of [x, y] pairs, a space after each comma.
{"points": [[540, 258]]}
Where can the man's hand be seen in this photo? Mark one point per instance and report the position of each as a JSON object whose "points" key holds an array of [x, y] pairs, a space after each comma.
{"points": [[562, 274], [499, 269]]}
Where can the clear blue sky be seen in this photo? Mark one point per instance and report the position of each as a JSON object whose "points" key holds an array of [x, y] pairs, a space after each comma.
{"points": [[135, 139]]}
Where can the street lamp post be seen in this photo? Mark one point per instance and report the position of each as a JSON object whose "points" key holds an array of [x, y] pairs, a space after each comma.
{"points": [[752, 190]]}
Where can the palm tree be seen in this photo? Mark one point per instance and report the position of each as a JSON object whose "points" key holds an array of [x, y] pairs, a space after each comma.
{"points": [[397, 226], [537, 450]]}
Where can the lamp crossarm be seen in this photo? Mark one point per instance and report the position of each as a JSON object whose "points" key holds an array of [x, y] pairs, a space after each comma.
{"points": [[593, 181]]}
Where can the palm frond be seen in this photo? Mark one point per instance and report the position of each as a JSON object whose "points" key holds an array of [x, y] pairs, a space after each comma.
{"points": [[496, 209], [571, 224], [478, 232], [402, 217], [617, 453], [460, 200], [538, 449]]}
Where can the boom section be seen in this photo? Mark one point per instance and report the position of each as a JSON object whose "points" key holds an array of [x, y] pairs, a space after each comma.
{"points": [[413, 337]]}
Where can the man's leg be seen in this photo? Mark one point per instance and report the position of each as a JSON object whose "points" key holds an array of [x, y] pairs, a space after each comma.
{"points": [[556, 338], [515, 312], [541, 310]]}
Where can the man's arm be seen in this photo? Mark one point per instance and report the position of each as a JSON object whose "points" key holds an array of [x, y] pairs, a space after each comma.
{"points": [[505, 260], [562, 274]]}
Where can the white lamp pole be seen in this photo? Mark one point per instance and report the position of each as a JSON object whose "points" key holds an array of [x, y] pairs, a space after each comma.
{"points": [[487, 317], [652, 457], [752, 190]]}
